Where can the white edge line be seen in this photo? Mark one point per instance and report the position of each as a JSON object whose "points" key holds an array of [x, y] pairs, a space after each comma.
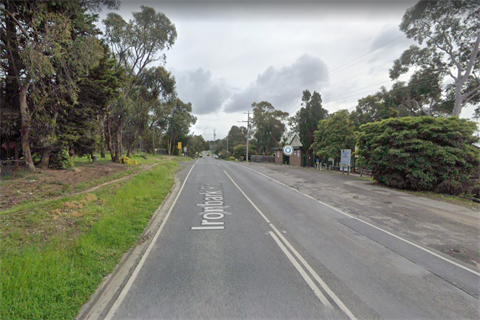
{"points": [[374, 226], [322, 283], [127, 287], [305, 276]]}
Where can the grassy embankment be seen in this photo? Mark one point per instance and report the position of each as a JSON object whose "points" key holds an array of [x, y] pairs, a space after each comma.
{"points": [[54, 255]]}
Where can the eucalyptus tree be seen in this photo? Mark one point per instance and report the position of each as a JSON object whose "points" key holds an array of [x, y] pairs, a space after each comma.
{"points": [[236, 135], [176, 123], [449, 36], [156, 87], [268, 124], [135, 45], [45, 47]]}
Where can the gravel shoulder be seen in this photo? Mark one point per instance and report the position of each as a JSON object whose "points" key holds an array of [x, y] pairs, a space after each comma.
{"points": [[449, 228]]}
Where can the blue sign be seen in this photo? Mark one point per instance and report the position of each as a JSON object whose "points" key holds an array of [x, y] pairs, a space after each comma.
{"points": [[287, 150]]}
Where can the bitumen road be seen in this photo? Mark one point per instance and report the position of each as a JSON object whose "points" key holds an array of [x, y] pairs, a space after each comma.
{"points": [[240, 245]]}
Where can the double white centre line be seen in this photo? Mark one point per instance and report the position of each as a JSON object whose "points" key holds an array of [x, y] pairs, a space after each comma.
{"points": [[283, 243]]}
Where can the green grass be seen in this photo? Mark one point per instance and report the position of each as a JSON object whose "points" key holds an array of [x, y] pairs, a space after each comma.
{"points": [[54, 257]]}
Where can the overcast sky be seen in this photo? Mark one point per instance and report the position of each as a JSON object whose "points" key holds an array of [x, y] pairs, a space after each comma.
{"points": [[229, 54]]}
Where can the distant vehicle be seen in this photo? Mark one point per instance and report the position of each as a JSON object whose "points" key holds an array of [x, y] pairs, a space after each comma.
{"points": [[208, 155], [215, 156]]}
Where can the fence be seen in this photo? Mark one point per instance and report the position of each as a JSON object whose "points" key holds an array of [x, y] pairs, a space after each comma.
{"points": [[257, 158]]}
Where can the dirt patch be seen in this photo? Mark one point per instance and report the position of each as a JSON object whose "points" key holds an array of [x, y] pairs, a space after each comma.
{"points": [[45, 184]]}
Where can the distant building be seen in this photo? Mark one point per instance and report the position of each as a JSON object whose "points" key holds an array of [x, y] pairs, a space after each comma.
{"points": [[296, 159]]}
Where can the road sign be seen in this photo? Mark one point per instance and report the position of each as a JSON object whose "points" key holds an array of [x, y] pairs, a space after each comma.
{"points": [[180, 145], [346, 155], [287, 150]]}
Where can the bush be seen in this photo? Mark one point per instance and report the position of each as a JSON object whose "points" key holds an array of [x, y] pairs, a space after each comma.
{"points": [[127, 160], [60, 160], [421, 153], [232, 158]]}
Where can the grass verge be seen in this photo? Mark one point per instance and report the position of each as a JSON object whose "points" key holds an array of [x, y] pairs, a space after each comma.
{"points": [[54, 257]]}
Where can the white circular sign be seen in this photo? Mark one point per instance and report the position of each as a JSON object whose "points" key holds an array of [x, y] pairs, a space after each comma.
{"points": [[287, 150]]}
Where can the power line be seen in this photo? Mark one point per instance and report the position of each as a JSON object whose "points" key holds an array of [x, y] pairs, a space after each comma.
{"points": [[368, 91], [339, 68]]}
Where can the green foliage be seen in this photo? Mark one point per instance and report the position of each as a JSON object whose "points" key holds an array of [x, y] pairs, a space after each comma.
{"points": [[421, 153], [60, 160], [196, 144], [333, 135], [240, 150], [269, 125], [305, 121], [236, 135], [52, 279], [449, 35], [127, 160]]}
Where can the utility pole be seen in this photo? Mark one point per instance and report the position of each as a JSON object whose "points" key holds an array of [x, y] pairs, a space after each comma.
{"points": [[248, 130], [214, 135]]}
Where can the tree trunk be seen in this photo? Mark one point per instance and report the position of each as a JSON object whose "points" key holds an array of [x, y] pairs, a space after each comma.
{"points": [[118, 145], [16, 154], [102, 136], [457, 109], [25, 131], [46, 157], [108, 136]]}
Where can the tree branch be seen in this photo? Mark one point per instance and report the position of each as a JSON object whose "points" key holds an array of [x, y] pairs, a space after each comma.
{"points": [[16, 22]]}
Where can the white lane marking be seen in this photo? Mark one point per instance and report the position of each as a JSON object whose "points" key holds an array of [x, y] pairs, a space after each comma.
{"points": [[305, 276], [374, 226], [207, 228], [322, 283], [127, 287]]}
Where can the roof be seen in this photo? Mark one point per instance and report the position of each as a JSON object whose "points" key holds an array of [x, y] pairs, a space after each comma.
{"points": [[295, 143]]}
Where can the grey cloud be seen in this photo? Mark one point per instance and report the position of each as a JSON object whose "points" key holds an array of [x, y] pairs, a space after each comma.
{"points": [[387, 34], [282, 87], [284, 10], [198, 87], [390, 42]]}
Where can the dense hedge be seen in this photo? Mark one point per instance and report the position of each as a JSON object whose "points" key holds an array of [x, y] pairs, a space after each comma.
{"points": [[421, 153]]}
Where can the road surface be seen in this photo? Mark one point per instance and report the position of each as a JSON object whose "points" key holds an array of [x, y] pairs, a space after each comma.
{"points": [[240, 245]]}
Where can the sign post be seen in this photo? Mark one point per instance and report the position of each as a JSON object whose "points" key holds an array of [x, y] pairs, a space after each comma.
{"points": [[346, 155]]}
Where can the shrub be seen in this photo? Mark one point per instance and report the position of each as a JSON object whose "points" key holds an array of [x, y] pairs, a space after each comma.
{"points": [[60, 160], [421, 153], [232, 158], [127, 160]]}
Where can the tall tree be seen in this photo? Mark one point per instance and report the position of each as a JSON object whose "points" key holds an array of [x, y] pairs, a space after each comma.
{"points": [[135, 44], [305, 121], [236, 135], [334, 134], [177, 123], [268, 124], [45, 42], [451, 32], [373, 108], [156, 86], [196, 144]]}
